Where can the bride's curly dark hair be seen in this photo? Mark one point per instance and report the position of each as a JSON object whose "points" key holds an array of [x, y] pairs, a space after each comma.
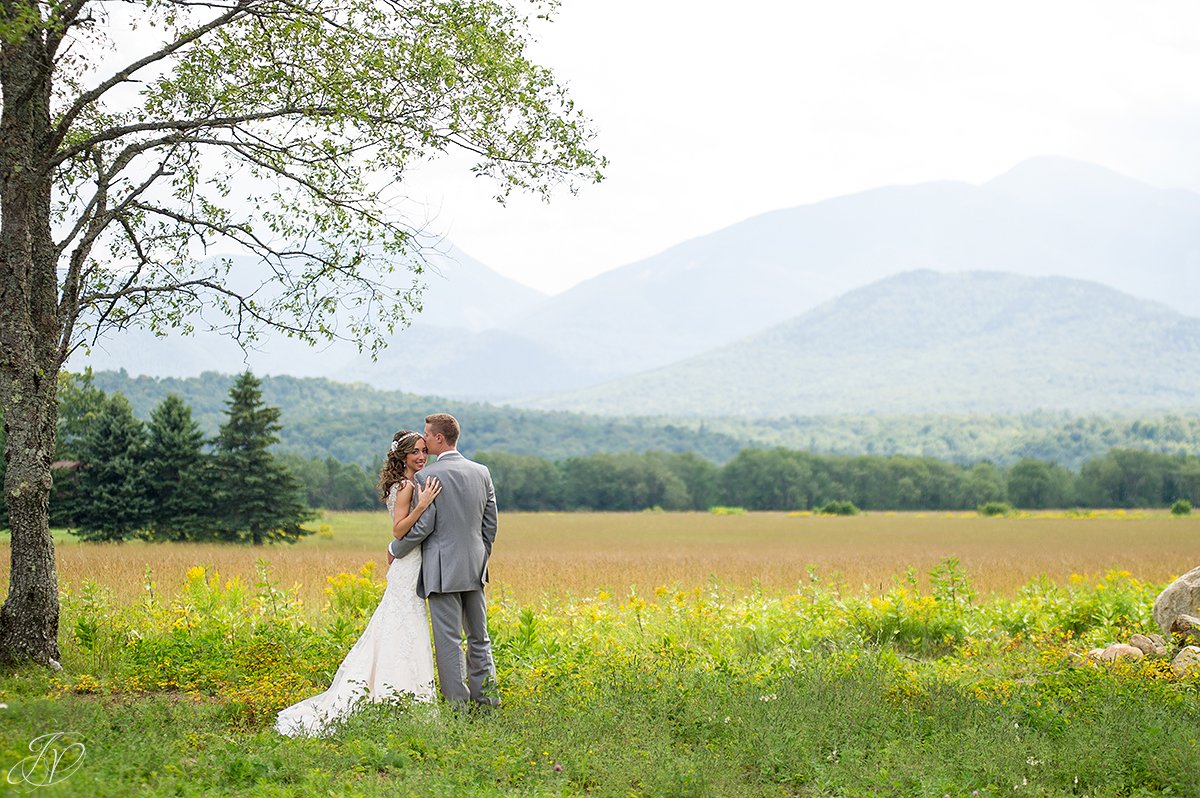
{"points": [[404, 443]]}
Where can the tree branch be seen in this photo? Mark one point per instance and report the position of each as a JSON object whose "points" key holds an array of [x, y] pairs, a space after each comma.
{"points": [[60, 131], [186, 126], [244, 302]]}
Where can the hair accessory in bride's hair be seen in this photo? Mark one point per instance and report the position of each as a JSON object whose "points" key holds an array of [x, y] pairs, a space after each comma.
{"points": [[406, 437]]}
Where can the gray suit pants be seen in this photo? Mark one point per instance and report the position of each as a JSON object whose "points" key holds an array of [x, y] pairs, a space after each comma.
{"points": [[452, 614]]}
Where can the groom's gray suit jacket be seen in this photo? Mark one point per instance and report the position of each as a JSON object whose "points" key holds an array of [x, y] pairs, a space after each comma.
{"points": [[456, 532]]}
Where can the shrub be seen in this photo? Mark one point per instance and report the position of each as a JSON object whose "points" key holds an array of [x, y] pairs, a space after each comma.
{"points": [[838, 507], [994, 508], [1181, 507], [355, 596]]}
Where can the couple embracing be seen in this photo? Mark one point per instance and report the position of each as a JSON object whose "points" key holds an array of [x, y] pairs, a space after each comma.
{"points": [[439, 553]]}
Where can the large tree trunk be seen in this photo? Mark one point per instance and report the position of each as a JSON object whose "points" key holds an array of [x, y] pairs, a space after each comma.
{"points": [[30, 335], [29, 617]]}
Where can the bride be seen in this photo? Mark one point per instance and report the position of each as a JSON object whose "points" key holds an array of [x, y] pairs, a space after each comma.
{"points": [[394, 656]]}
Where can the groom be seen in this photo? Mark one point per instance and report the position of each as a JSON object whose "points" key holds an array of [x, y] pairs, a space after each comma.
{"points": [[456, 534]]}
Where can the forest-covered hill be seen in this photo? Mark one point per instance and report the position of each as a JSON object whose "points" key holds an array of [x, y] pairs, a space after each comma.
{"points": [[352, 423]]}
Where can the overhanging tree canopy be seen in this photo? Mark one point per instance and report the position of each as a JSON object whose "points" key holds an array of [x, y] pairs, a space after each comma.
{"points": [[137, 138]]}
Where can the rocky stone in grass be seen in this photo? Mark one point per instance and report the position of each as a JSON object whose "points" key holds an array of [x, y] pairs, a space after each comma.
{"points": [[1186, 629], [1159, 641], [1095, 655], [1181, 597], [1122, 651], [1148, 646], [1187, 659]]}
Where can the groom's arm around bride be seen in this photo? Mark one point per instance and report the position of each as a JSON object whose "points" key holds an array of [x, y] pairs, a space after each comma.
{"points": [[447, 513]]}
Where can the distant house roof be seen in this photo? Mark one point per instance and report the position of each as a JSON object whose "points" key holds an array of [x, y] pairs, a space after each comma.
{"points": [[69, 465]]}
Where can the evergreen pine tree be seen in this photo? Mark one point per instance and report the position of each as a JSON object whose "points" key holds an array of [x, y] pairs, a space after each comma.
{"points": [[178, 479], [80, 403], [259, 500], [111, 503]]}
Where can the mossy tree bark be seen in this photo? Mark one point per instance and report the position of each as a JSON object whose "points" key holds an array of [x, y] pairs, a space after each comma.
{"points": [[30, 337]]}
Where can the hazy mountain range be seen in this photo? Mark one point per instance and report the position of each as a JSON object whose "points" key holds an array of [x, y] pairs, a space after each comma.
{"points": [[924, 342], [900, 299]]}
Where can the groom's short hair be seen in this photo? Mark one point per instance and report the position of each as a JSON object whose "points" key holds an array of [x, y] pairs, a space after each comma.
{"points": [[446, 425]]}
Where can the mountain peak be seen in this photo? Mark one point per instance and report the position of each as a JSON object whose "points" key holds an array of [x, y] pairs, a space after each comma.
{"points": [[1061, 177]]}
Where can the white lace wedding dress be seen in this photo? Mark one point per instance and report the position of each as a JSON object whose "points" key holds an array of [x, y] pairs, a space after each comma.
{"points": [[393, 657]]}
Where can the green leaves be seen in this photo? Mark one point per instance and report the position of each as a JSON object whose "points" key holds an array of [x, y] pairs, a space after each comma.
{"points": [[286, 132]]}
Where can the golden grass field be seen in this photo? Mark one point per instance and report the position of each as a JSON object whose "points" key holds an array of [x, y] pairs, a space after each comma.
{"points": [[557, 554]]}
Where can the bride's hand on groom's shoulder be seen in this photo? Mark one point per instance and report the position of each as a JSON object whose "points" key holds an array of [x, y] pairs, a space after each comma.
{"points": [[427, 493]]}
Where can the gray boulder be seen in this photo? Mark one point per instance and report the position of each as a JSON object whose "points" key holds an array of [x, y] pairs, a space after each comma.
{"points": [[1186, 629], [1187, 659], [1182, 597], [1148, 646], [1121, 651]]}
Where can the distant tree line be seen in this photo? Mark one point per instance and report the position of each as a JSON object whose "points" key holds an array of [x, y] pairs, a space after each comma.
{"points": [[117, 478], [783, 479]]}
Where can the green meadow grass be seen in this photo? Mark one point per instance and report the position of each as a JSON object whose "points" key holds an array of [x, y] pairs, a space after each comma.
{"points": [[643, 680]]}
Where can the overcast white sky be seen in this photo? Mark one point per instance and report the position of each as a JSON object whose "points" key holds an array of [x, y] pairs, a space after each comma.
{"points": [[714, 112]]}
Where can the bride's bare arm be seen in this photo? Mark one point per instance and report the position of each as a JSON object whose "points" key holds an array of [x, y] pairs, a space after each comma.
{"points": [[425, 496]]}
